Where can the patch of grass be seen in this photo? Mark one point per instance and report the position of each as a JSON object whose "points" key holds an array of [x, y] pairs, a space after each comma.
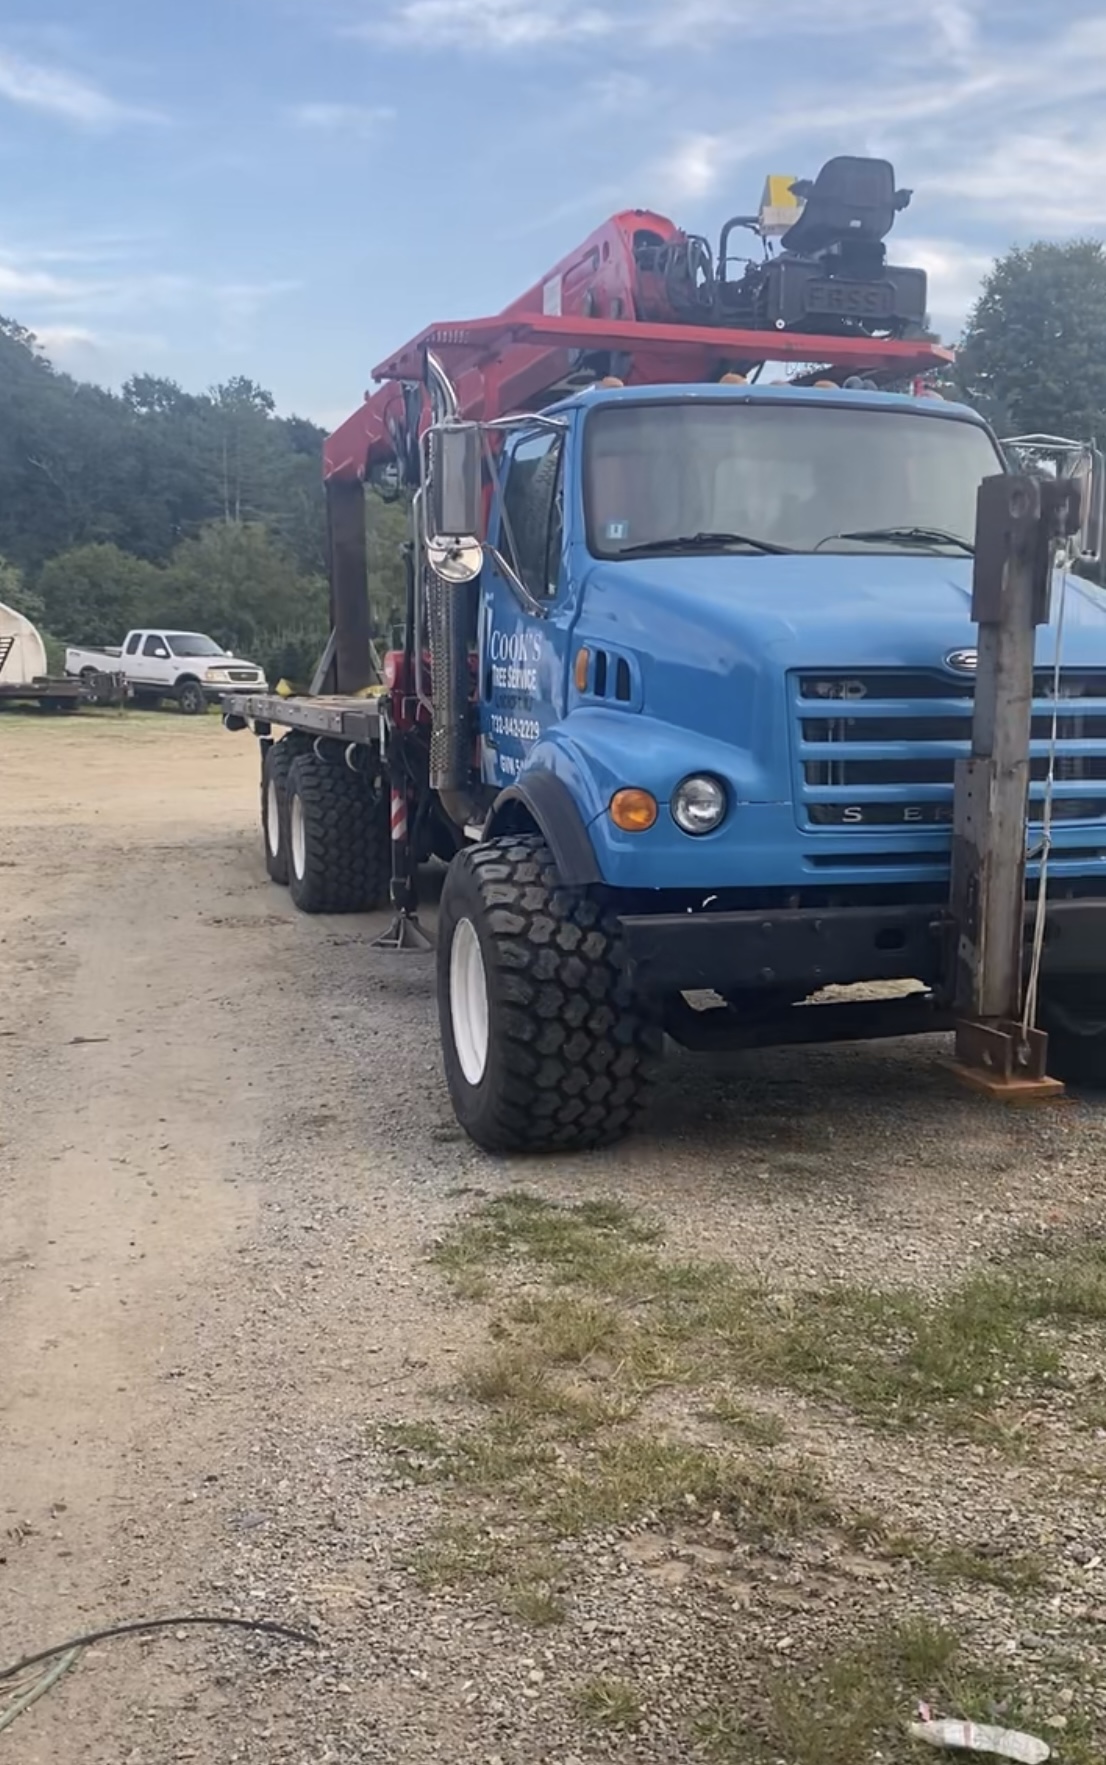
{"points": [[618, 1480], [610, 1703], [638, 1476], [571, 1331], [505, 1453], [523, 1579], [521, 1384], [587, 1243], [836, 1711], [533, 1602], [456, 1555], [894, 1357], [851, 1706], [1012, 1573], [758, 1427]]}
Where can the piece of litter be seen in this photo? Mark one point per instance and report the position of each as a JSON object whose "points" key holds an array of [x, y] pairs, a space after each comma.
{"points": [[972, 1737]]}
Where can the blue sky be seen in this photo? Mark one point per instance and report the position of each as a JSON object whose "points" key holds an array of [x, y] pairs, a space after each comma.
{"points": [[291, 188]]}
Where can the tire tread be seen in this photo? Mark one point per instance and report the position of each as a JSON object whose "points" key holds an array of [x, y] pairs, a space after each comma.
{"points": [[577, 1048]]}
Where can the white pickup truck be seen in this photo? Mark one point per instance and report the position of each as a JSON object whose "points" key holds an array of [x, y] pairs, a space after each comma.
{"points": [[168, 664]]}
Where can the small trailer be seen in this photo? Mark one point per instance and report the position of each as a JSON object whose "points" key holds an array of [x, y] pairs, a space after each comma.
{"points": [[24, 676]]}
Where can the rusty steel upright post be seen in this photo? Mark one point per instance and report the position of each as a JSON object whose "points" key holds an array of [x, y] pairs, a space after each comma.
{"points": [[1019, 521]]}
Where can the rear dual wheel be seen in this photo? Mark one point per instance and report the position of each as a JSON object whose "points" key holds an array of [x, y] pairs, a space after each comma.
{"points": [[274, 807], [337, 844]]}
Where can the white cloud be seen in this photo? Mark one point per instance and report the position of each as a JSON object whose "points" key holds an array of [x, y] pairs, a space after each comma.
{"points": [[60, 340], [341, 119], [694, 165], [493, 24], [25, 282], [955, 273], [656, 24], [956, 28], [1049, 182], [55, 92]]}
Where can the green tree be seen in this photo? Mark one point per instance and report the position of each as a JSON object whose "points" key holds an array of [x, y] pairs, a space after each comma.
{"points": [[241, 587], [387, 525], [93, 594], [1033, 358]]}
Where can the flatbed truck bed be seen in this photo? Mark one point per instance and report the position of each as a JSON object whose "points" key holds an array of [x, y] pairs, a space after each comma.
{"points": [[341, 718]]}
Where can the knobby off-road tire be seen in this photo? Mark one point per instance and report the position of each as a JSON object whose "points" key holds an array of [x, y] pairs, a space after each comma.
{"points": [[274, 807], [339, 854], [545, 1045]]}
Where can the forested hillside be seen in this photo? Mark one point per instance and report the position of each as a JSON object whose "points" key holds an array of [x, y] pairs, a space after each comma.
{"points": [[155, 504]]}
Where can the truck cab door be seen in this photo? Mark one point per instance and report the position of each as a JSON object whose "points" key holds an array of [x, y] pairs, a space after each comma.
{"points": [[523, 639], [155, 660]]}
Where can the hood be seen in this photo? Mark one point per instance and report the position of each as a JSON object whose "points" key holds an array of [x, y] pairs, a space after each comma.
{"points": [[722, 614]]}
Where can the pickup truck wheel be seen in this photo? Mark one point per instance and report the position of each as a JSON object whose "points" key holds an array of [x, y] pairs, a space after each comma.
{"points": [[339, 851], [1076, 1023], [274, 807], [191, 699], [545, 1045]]}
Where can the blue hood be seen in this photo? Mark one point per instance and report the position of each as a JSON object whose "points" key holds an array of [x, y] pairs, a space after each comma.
{"points": [[830, 610]]}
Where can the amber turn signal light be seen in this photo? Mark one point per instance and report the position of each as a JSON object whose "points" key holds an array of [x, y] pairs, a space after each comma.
{"points": [[581, 671], [633, 811]]}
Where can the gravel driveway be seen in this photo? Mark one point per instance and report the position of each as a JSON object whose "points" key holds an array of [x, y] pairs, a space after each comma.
{"points": [[237, 1378]]}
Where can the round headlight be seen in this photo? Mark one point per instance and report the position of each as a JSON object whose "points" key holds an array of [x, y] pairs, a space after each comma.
{"points": [[698, 805]]}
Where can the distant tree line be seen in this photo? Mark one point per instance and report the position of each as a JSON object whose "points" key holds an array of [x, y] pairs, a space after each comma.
{"points": [[155, 505]]}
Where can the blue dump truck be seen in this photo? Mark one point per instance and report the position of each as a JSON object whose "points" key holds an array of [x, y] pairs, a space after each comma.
{"points": [[688, 663]]}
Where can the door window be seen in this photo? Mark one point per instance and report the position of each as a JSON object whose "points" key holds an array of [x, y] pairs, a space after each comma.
{"points": [[155, 646], [533, 511]]}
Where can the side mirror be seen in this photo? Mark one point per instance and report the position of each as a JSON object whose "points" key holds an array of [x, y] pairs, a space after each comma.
{"points": [[1053, 456], [455, 501], [1091, 474]]}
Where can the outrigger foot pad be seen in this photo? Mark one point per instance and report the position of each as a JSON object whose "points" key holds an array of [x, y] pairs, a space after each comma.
{"points": [[404, 933]]}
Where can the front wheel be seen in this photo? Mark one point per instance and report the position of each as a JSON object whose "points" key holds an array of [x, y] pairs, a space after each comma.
{"points": [[191, 698], [1075, 1019], [545, 1045]]}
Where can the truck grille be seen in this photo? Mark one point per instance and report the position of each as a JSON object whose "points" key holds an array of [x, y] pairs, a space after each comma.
{"points": [[877, 748], [243, 674]]}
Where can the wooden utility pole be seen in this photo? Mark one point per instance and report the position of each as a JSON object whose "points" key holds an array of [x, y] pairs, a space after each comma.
{"points": [[1019, 522]]}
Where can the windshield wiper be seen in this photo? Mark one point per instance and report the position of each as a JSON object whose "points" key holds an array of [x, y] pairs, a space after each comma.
{"points": [[905, 536], [702, 542]]}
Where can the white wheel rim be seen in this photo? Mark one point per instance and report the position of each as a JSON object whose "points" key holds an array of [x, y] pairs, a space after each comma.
{"points": [[272, 820], [298, 832], [468, 1001]]}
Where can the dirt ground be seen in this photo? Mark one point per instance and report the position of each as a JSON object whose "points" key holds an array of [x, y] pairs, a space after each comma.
{"points": [[225, 1154]]}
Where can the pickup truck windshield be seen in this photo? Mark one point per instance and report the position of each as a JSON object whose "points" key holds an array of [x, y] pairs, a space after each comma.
{"points": [[190, 643], [781, 477]]}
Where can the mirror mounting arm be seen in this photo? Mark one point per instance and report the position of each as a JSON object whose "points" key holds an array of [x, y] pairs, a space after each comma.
{"points": [[514, 582]]}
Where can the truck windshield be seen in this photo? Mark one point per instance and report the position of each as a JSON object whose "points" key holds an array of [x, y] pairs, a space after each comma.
{"points": [[781, 477], [190, 643]]}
